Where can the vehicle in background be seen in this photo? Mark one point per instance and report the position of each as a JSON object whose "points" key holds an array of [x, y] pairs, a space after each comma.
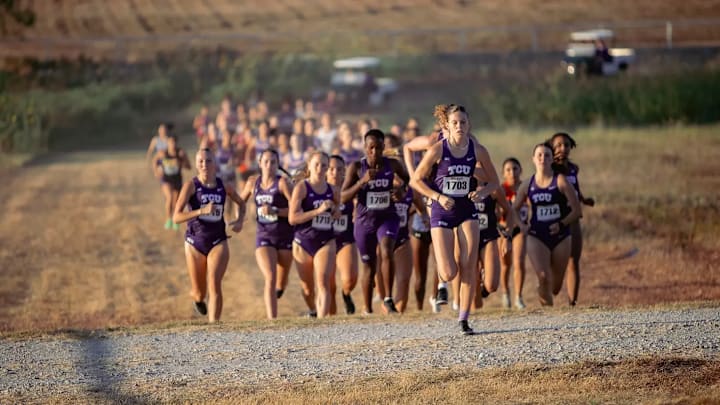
{"points": [[591, 52], [356, 83]]}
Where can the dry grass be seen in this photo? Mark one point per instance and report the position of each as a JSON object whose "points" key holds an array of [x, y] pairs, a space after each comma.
{"points": [[93, 254], [302, 25], [644, 380]]}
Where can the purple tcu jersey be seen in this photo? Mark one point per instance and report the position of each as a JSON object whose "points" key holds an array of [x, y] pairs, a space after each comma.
{"points": [[454, 178], [373, 200], [487, 217], [224, 158], [547, 206], [402, 208], [572, 176], [321, 226], [295, 163], [207, 225], [271, 224]]}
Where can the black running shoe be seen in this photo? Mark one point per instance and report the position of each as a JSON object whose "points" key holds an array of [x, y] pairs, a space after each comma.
{"points": [[279, 293], [389, 306], [200, 307], [466, 329], [349, 304], [442, 296], [311, 314]]}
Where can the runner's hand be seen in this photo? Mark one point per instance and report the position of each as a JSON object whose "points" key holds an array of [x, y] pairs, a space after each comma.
{"points": [[207, 210], [446, 202]]}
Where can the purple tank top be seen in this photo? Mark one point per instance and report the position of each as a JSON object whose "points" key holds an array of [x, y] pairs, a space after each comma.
{"points": [[213, 223], [373, 199], [453, 174], [224, 161], [271, 225], [350, 156], [344, 223], [547, 204], [295, 163], [572, 176], [403, 209], [321, 226]]}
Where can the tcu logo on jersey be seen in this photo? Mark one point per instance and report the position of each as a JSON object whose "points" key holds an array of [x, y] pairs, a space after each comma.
{"points": [[263, 199], [542, 197], [317, 203], [571, 179], [377, 183], [459, 169], [206, 198], [480, 206]]}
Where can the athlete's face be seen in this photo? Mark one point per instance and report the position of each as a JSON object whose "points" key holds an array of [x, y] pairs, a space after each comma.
{"points": [[268, 163], [458, 124], [542, 157], [561, 147], [296, 142], [336, 172], [373, 149], [205, 162], [511, 172], [318, 166]]}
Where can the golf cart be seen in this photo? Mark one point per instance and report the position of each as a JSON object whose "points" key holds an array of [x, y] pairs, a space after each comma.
{"points": [[356, 83], [589, 53]]}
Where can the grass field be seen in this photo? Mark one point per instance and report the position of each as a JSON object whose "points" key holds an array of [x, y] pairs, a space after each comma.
{"points": [[162, 25]]}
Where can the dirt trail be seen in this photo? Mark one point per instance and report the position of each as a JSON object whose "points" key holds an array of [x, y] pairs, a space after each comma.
{"points": [[82, 246]]}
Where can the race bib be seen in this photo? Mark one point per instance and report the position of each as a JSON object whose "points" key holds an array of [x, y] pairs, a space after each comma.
{"points": [[266, 219], [402, 211], [547, 213], [483, 221], [377, 200], [456, 186], [216, 214], [170, 167], [340, 225], [323, 222], [227, 168]]}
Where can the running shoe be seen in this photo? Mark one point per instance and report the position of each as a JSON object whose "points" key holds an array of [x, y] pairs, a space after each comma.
{"points": [[200, 307], [483, 291], [434, 305], [389, 306], [442, 296], [572, 303], [175, 226], [279, 293], [168, 224], [455, 306], [349, 304], [505, 298], [311, 314], [465, 327], [519, 304]]}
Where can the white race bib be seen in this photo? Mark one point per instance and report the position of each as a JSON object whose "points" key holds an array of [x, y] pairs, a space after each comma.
{"points": [[341, 224], [216, 214], [483, 221], [547, 213], [377, 200], [456, 186], [266, 219], [323, 222]]}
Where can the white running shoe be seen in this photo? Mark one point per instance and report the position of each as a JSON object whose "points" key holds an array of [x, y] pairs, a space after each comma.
{"points": [[519, 304], [434, 305], [505, 298], [455, 306]]}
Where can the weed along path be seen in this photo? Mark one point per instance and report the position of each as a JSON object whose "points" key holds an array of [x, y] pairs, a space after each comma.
{"points": [[152, 364]]}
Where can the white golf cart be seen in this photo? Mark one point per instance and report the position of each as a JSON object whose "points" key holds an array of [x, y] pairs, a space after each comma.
{"points": [[590, 52], [356, 83]]}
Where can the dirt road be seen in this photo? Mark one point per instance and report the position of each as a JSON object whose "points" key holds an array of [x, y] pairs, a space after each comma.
{"points": [[82, 245]]}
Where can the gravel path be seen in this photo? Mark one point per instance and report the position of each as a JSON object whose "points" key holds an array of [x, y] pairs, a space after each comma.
{"points": [[38, 368]]}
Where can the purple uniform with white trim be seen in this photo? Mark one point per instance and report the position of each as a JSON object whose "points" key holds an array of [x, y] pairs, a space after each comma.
{"points": [[295, 163], [208, 230], [226, 169], [272, 230], [572, 176], [317, 232], [403, 210], [547, 207], [454, 179], [376, 217], [344, 226], [487, 219]]}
